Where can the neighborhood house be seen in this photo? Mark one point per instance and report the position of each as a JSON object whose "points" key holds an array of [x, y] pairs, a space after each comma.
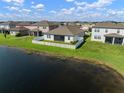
{"points": [[108, 33], [6, 26], [42, 27], [22, 31], [65, 34]]}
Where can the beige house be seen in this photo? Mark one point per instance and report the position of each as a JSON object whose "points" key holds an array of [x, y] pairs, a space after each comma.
{"points": [[42, 27], [108, 33], [19, 30], [65, 34]]}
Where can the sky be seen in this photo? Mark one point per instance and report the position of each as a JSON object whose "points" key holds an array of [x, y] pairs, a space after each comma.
{"points": [[62, 10]]}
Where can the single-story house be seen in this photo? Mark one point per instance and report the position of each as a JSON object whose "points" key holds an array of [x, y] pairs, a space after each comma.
{"points": [[65, 34], [22, 30], [108, 33]]}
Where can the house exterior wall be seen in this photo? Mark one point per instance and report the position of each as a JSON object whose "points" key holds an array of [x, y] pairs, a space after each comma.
{"points": [[72, 38], [51, 38], [13, 33], [102, 32], [66, 39], [44, 30], [5, 26]]}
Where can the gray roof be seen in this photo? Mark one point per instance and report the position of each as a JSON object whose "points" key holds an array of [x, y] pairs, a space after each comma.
{"points": [[24, 24], [44, 23], [66, 30], [113, 35], [109, 25], [19, 29], [8, 23]]}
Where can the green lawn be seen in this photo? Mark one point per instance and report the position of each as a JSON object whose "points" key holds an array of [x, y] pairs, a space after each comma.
{"points": [[112, 55]]}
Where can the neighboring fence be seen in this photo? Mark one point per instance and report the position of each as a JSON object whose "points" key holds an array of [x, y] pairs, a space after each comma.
{"points": [[39, 41]]}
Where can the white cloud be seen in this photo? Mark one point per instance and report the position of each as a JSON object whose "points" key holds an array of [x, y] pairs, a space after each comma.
{"points": [[53, 12], [67, 11], [32, 2], [111, 12], [99, 4], [25, 11], [70, 0], [80, 3], [12, 8], [14, 1], [39, 6]]}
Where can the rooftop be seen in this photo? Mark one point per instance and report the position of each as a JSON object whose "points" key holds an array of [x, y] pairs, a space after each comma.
{"points": [[109, 25], [66, 30], [44, 23], [19, 29]]}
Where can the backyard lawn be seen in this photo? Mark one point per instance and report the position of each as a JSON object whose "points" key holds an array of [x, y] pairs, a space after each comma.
{"points": [[112, 55]]}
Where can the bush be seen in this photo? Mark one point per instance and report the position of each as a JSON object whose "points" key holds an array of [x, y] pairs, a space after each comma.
{"points": [[74, 42], [18, 35]]}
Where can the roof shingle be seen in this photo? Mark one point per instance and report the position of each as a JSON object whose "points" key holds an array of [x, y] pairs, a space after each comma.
{"points": [[66, 30]]}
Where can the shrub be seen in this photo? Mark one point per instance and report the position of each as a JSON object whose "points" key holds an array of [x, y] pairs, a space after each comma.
{"points": [[18, 34], [74, 42]]}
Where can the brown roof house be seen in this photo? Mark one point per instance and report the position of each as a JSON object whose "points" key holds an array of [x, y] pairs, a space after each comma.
{"points": [[64, 36], [22, 31], [42, 27], [108, 33]]}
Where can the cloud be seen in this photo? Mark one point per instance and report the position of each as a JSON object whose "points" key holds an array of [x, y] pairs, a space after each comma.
{"points": [[38, 6], [14, 1], [67, 11], [80, 3], [111, 12], [25, 11], [53, 12], [70, 0], [12, 8], [99, 4], [32, 2]]}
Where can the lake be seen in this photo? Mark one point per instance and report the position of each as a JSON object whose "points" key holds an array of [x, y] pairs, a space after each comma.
{"points": [[24, 73]]}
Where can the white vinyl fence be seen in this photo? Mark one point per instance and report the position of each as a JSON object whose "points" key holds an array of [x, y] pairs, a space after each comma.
{"points": [[40, 41]]}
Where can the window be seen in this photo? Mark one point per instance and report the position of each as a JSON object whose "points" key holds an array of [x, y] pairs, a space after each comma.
{"points": [[96, 30], [44, 27], [118, 31], [106, 31], [48, 36], [68, 37], [97, 37]]}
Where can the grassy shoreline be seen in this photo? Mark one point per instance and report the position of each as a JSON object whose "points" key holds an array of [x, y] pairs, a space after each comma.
{"points": [[111, 55]]}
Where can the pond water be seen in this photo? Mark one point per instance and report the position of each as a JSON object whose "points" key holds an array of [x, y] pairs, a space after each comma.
{"points": [[24, 73]]}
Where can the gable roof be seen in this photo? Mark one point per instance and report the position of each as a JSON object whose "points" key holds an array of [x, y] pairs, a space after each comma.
{"points": [[66, 30], [109, 25], [44, 23]]}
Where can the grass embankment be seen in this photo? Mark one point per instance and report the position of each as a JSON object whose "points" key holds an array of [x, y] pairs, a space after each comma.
{"points": [[112, 55]]}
